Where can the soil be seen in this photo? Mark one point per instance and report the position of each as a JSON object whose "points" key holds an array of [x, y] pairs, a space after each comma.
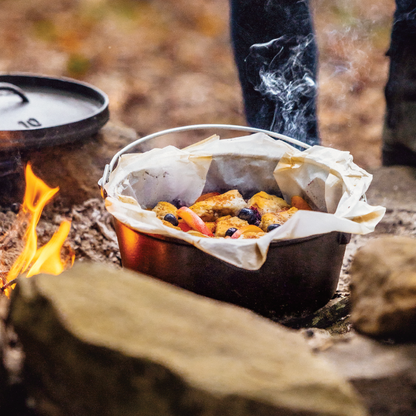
{"points": [[166, 63]]}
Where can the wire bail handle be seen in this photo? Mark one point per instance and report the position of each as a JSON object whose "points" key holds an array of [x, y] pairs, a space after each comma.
{"points": [[109, 167]]}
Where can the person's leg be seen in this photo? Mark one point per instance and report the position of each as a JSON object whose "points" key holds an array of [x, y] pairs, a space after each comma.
{"points": [[399, 135], [276, 57]]}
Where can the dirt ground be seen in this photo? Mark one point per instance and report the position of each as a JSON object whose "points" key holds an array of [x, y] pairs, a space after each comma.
{"points": [[166, 63]]}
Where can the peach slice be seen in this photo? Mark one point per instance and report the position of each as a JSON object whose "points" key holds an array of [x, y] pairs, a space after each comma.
{"points": [[299, 203], [247, 229], [194, 221], [184, 226]]}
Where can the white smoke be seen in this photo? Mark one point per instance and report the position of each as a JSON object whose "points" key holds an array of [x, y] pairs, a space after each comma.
{"points": [[284, 80]]}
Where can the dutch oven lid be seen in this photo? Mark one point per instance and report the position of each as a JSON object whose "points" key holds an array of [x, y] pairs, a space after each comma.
{"points": [[38, 111]]}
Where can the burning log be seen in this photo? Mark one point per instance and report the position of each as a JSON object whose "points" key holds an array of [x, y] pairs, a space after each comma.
{"points": [[33, 260]]}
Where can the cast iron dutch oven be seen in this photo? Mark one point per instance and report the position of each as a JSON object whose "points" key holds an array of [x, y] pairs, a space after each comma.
{"points": [[38, 111], [298, 277]]}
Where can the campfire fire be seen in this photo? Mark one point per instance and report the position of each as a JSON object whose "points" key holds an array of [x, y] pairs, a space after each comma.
{"points": [[33, 260]]}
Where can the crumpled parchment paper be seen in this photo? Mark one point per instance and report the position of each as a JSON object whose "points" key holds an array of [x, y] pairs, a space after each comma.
{"points": [[327, 178]]}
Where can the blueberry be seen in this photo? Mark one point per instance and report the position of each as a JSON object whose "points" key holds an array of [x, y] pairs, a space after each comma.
{"points": [[272, 227], [171, 218], [248, 214], [15, 207], [230, 232]]}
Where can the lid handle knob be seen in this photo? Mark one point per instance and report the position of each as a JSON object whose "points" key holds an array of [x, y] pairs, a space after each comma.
{"points": [[6, 86]]}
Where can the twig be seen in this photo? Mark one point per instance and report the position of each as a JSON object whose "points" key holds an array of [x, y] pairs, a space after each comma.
{"points": [[4, 287], [110, 235]]}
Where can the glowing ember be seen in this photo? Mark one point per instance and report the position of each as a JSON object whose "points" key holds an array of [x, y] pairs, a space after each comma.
{"points": [[46, 259]]}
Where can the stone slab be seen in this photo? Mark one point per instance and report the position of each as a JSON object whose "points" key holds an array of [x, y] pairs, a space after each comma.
{"points": [[104, 341]]}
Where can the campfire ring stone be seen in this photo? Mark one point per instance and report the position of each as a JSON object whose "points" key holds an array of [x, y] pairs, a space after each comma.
{"points": [[103, 341]]}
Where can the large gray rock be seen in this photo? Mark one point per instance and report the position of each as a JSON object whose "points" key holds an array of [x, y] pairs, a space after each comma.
{"points": [[74, 167], [103, 341], [383, 288], [384, 375], [393, 187]]}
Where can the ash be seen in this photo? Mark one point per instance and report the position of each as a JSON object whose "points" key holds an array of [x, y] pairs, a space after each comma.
{"points": [[92, 236]]}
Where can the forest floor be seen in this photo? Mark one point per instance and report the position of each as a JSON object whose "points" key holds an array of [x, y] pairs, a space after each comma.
{"points": [[167, 63]]}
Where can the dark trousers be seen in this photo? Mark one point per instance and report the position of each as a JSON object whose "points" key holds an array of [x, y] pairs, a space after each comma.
{"points": [[276, 57], [401, 85]]}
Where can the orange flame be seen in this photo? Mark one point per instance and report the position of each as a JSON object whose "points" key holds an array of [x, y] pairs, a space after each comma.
{"points": [[46, 259]]}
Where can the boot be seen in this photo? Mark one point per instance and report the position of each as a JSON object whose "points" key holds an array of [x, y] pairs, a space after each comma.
{"points": [[399, 132]]}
